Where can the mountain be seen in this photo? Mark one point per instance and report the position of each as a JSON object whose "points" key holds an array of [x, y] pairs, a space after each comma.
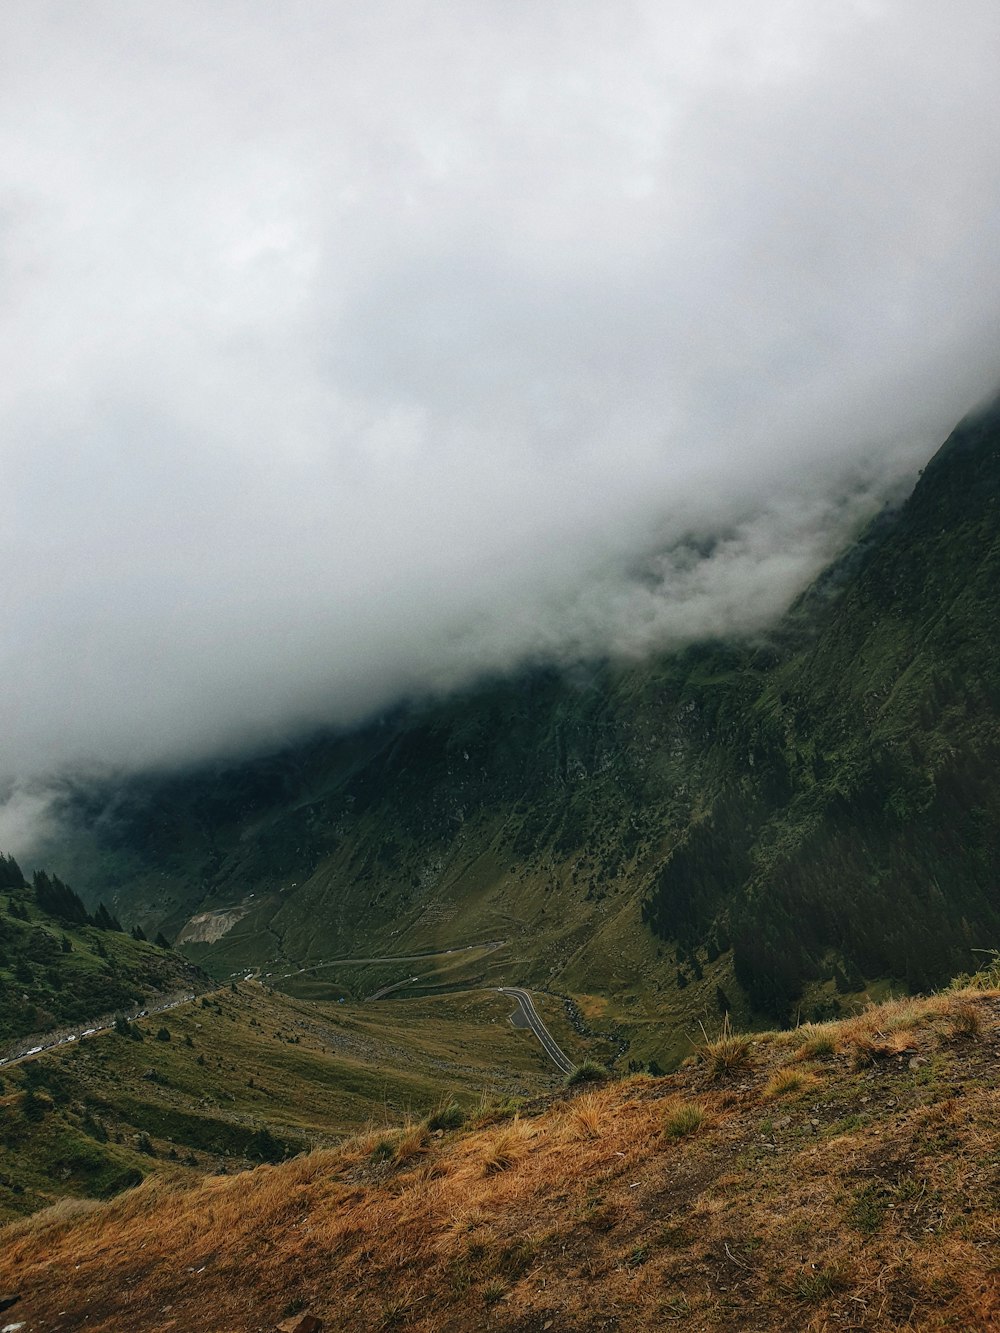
{"points": [[762, 827]]}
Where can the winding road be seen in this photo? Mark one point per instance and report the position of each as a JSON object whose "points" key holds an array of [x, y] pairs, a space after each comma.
{"points": [[488, 946], [530, 1015], [104, 1024], [526, 1011]]}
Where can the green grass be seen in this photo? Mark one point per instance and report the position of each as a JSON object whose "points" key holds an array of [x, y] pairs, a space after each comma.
{"points": [[684, 1120], [589, 1071], [239, 1063], [54, 974]]}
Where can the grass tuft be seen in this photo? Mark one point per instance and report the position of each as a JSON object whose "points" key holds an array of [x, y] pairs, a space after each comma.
{"points": [[683, 1118], [505, 1147], [493, 1292], [412, 1143], [586, 1117], [966, 1021], [783, 1082], [728, 1052], [818, 1045], [448, 1116], [818, 1283]]}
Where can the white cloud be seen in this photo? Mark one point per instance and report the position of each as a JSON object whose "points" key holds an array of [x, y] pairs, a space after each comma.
{"points": [[356, 349]]}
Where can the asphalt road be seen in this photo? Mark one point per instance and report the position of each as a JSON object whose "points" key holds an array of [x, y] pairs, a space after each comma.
{"points": [[105, 1025], [488, 946], [530, 1016]]}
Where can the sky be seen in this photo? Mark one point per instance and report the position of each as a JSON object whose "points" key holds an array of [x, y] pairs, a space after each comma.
{"points": [[353, 351]]}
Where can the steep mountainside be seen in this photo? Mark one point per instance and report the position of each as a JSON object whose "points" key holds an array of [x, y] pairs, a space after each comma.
{"points": [[758, 823]]}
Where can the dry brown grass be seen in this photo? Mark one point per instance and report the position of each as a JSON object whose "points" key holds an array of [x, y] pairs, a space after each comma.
{"points": [[505, 1147], [886, 1030], [586, 1116], [815, 1041], [884, 1225], [413, 1142], [790, 1080], [965, 1019]]}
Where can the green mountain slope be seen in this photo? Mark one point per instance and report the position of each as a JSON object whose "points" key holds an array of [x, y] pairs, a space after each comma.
{"points": [[769, 824], [60, 967]]}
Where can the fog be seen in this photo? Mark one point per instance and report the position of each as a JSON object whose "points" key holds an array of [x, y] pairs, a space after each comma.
{"points": [[353, 351]]}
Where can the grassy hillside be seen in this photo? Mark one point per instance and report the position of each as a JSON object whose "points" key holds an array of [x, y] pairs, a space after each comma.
{"points": [[841, 1175], [59, 967], [242, 1075], [763, 828]]}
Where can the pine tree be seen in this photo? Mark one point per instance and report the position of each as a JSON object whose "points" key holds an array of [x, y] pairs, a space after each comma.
{"points": [[10, 873], [58, 899], [104, 920]]}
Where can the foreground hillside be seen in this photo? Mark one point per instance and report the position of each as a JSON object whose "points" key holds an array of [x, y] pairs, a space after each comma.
{"points": [[736, 817], [837, 1176]]}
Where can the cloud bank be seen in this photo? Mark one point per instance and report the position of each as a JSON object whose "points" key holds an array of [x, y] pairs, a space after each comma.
{"points": [[354, 350]]}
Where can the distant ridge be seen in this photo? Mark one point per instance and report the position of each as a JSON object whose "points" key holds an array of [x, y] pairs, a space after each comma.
{"points": [[784, 821]]}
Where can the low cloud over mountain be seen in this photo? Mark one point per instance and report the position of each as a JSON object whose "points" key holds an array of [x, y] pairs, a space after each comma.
{"points": [[353, 350]]}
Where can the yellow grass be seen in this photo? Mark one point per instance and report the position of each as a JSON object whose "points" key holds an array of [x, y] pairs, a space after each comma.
{"points": [[726, 1053], [789, 1080], [585, 1116], [682, 1118]]}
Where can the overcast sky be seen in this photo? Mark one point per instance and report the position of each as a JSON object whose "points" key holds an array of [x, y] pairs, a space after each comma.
{"points": [[351, 349]]}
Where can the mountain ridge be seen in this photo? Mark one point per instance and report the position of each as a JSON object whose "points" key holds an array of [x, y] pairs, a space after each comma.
{"points": [[771, 803]]}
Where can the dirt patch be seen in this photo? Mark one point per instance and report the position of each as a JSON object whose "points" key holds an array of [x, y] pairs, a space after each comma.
{"points": [[207, 927]]}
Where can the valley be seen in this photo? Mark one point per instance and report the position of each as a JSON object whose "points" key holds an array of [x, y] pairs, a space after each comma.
{"points": [[242, 1074], [724, 829], [457, 969]]}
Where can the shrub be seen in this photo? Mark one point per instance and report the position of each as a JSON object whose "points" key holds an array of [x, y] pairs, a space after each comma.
{"points": [[450, 1116], [33, 1107], [262, 1146], [163, 1034], [588, 1072]]}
